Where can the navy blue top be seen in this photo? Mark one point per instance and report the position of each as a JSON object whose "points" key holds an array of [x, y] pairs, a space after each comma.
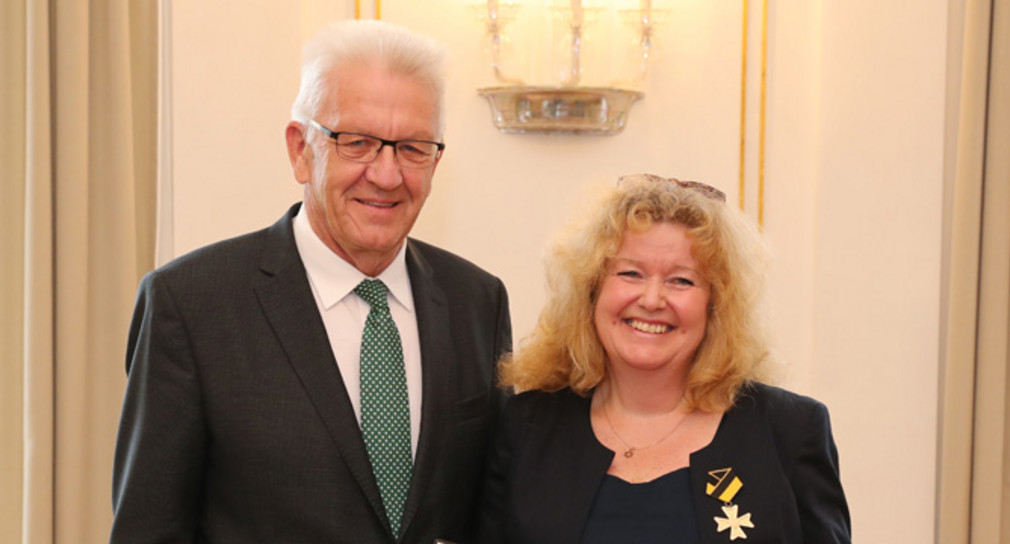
{"points": [[650, 512]]}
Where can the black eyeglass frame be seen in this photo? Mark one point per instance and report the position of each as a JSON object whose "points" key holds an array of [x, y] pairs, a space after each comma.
{"points": [[382, 143]]}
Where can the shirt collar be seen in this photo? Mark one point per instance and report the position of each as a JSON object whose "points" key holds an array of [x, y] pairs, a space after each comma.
{"points": [[334, 278]]}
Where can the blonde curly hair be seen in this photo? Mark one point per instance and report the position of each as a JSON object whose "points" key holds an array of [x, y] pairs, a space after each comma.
{"points": [[564, 350]]}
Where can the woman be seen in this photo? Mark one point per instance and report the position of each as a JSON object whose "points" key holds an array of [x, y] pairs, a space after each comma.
{"points": [[640, 417]]}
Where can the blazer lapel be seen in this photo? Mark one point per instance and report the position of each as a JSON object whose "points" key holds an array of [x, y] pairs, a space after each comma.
{"points": [[743, 444], [560, 468], [437, 355], [287, 302], [724, 452], [589, 463]]}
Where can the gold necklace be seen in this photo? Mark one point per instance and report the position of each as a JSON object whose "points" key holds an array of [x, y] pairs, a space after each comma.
{"points": [[630, 452]]}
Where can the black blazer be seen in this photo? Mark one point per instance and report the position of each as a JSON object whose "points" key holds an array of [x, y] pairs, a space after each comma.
{"points": [[236, 426], [548, 465]]}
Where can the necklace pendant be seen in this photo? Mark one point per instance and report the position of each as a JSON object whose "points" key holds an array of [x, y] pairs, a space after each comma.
{"points": [[629, 453]]}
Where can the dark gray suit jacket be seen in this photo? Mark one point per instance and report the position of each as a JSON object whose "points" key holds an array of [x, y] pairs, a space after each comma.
{"points": [[236, 425], [548, 466]]}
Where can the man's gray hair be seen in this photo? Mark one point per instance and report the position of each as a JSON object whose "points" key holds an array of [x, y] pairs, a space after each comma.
{"points": [[367, 42]]}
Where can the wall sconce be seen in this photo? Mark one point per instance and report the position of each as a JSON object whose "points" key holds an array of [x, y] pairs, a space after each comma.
{"points": [[569, 106]]}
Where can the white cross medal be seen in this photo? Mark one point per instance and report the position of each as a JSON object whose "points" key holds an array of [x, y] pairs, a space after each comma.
{"points": [[724, 485]]}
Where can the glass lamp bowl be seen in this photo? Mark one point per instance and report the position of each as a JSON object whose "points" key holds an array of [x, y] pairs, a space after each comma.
{"points": [[547, 109]]}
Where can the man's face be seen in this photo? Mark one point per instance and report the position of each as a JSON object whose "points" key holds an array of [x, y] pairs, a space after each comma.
{"points": [[364, 211]]}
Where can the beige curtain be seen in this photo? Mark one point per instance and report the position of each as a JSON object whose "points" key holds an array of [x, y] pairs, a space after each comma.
{"points": [[12, 196], [78, 107], [991, 452], [973, 495]]}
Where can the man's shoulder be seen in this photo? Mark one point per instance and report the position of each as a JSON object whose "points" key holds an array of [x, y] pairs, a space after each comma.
{"points": [[222, 258], [231, 255], [446, 264]]}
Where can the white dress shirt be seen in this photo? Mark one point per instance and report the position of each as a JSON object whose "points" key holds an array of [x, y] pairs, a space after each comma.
{"points": [[333, 281]]}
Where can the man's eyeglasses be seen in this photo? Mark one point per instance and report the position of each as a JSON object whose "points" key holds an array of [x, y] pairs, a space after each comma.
{"points": [[364, 148]]}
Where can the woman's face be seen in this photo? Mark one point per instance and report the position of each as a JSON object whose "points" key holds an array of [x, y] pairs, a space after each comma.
{"points": [[652, 308]]}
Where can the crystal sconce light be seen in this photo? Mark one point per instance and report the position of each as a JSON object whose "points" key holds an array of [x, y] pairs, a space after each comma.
{"points": [[567, 107]]}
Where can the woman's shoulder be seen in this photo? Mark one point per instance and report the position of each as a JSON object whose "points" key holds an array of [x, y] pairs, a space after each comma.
{"points": [[784, 410], [539, 405], [789, 415], [765, 397]]}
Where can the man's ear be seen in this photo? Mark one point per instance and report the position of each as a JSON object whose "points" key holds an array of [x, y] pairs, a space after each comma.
{"points": [[438, 159], [299, 152]]}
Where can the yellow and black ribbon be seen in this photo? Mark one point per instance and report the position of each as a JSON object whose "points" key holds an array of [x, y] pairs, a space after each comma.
{"points": [[723, 484]]}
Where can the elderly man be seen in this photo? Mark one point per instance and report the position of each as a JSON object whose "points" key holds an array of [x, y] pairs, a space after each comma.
{"points": [[326, 379]]}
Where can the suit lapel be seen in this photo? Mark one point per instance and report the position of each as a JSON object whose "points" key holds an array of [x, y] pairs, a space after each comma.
{"points": [[437, 355], [287, 302]]}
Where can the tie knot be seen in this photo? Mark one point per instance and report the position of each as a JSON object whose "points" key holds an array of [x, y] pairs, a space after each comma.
{"points": [[374, 293]]}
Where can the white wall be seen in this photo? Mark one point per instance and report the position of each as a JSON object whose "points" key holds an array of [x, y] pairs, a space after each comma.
{"points": [[877, 257], [852, 200], [234, 71]]}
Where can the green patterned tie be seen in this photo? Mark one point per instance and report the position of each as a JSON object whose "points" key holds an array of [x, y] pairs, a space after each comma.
{"points": [[385, 410]]}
